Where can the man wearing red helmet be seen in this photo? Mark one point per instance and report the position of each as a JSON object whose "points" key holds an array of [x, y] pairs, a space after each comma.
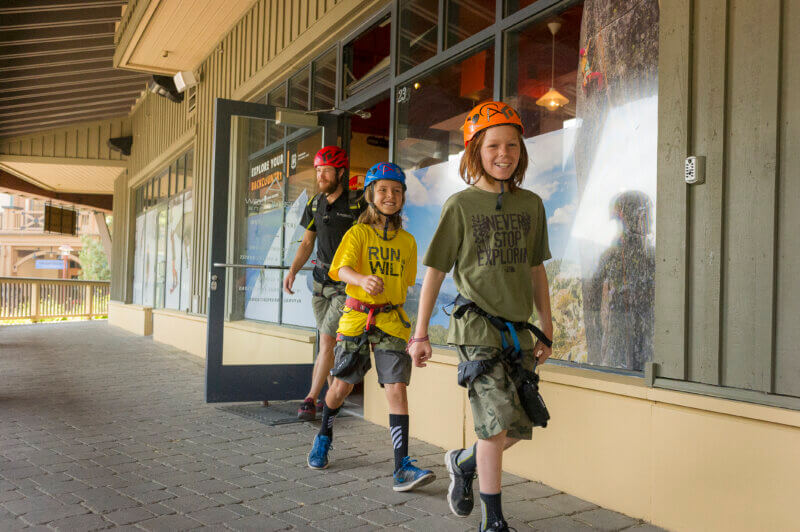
{"points": [[327, 217]]}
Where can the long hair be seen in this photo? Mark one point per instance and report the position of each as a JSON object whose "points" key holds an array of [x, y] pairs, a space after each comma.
{"points": [[471, 168], [371, 215]]}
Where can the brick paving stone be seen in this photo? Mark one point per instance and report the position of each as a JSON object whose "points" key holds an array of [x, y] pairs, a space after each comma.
{"points": [[439, 525], [527, 510], [214, 516], [565, 503], [384, 516], [272, 505], [561, 523], [167, 523], [602, 519], [80, 522], [354, 505], [189, 503], [128, 516], [104, 500], [41, 516], [257, 523], [315, 512]]}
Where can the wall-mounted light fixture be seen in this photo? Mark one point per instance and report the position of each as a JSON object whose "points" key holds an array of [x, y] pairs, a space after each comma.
{"points": [[184, 80], [121, 144], [165, 86]]}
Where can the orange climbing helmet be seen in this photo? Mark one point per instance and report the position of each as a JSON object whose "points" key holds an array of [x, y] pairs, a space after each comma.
{"points": [[489, 114]]}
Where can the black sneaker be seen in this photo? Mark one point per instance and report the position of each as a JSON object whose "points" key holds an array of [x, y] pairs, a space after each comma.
{"points": [[459, 494], [497, 526]]}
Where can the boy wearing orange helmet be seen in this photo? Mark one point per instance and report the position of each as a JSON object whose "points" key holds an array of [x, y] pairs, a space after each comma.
{"points": [[494, 235], [327, 217]]}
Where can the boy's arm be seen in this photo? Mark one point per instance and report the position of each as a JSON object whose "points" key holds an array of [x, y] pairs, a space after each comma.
{"points": [[421, 351], [541, 299]]}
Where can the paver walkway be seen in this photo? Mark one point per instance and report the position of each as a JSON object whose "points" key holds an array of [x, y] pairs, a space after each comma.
{"points": [[101, 428]]}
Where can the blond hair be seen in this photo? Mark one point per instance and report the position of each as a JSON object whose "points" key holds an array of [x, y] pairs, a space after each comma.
{"points": [[471, 167]]}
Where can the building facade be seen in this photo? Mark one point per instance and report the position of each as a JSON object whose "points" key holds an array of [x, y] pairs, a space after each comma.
{"points": [[673, 388]]}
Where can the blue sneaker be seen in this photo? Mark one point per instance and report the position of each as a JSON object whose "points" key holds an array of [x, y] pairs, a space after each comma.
{"points": [[409, 477], [318, 457]]}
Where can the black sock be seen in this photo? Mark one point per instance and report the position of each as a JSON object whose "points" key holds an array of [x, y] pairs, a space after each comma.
{"points": [[328, 415], [491, 509], [466, 459], [398, 427]]}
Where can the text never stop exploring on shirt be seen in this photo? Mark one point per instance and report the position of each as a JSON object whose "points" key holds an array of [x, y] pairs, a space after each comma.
{"points": [[330, 221], [493, 252], [393, 260]]}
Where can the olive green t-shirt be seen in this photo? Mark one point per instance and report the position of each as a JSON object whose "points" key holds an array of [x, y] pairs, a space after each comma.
{"points": [[493, 252]]}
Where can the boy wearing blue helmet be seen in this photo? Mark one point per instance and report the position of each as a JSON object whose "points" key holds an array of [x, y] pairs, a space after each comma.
{"points": [[377, 259]]}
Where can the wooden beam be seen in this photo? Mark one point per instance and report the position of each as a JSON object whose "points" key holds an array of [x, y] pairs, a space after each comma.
{"points": [[12, 184]]}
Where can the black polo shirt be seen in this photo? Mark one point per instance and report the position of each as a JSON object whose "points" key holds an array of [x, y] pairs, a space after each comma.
{"points": [[330, 222]]}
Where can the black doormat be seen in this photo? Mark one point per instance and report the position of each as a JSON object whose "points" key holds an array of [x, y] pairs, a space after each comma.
{"points": [[277, 413]]}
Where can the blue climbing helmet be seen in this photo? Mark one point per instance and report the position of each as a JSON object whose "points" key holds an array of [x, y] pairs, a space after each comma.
{"points": [[385, 171]]}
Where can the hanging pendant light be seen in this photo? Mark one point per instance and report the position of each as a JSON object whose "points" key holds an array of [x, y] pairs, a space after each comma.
{"points": [[553, 99]]}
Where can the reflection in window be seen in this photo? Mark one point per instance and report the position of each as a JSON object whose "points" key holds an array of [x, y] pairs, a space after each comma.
{"points": [[512, 6], [276, 97], [431, 110], [467, 17], [324, 81], [298, 90], [593, 162], [366, 58], [417, 32]]}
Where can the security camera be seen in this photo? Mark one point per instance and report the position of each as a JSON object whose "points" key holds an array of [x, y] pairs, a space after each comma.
{"points": [[184, 80], [165, 86]]}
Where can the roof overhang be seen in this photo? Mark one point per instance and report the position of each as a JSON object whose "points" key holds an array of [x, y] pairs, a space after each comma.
{"points": [[12, 184], [166, 37]]}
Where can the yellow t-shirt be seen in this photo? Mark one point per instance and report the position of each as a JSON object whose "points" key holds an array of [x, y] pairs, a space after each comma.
{"points": [[394, 261]]}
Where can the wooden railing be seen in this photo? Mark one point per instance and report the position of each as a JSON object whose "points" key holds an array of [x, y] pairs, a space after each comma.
{"points": [[23, 298]]}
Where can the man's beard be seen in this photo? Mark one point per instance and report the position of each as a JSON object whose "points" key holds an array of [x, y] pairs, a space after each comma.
{"points": [[330, 188]]}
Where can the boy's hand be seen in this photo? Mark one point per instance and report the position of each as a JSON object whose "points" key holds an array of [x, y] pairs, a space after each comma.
{"points": [[372, 284], [420, 352], [541, 352]]}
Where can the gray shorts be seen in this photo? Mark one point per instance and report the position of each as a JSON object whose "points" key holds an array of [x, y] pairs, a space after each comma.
{"points": [[328, 307], [351, 358]]}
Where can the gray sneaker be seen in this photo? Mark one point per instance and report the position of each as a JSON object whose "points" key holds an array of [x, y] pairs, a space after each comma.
{"points": [[459, 494]]}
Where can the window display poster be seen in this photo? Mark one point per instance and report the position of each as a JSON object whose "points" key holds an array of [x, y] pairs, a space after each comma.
{"points": [[263, 287], [172, 297], [186, 253], [138, 256], [149, 262], [296, 307]]}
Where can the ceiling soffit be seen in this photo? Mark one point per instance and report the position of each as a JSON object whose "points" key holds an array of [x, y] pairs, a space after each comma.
{"points": [[167, 36]]}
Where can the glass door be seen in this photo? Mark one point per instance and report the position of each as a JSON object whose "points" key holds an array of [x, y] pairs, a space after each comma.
{"points": [[263, 179]]}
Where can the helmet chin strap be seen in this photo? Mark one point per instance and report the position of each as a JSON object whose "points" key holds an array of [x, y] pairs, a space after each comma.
{"points": [[385, 222], [499, 205]]}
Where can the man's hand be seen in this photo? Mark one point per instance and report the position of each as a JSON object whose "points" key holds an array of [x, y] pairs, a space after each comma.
{"points": [[372, 284], [288, 282], [420, 352]]}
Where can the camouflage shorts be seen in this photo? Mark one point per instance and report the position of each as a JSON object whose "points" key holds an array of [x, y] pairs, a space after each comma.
{"points": [[351, 358], [493, 397], [328, 307]]}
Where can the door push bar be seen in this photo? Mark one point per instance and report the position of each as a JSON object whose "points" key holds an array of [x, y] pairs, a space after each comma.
{"points": [[258, 266]]}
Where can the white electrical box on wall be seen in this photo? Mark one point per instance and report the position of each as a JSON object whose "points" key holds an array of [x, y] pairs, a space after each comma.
{"points": [[695, 170]]}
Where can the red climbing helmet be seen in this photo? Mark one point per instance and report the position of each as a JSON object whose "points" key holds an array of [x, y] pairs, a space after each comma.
{"points": [[332, 156]]}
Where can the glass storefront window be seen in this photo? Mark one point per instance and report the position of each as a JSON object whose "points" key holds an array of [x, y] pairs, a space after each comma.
{"points": [[417, 32], [512, 6], [276, 97], [162, 241], [431, 109], [298, 90], [324, 82], [593, 162], [468, 17]]}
